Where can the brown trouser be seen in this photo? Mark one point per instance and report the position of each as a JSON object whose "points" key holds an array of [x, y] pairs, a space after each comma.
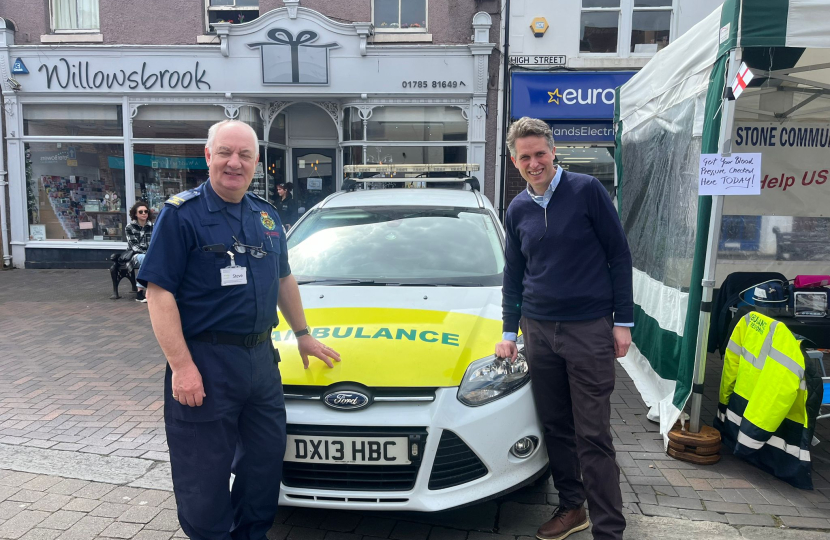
{"points": [[572, 373]]}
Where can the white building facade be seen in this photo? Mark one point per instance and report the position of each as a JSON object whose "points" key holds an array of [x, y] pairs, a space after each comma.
{"points": [[89, 129], [565, 59]]}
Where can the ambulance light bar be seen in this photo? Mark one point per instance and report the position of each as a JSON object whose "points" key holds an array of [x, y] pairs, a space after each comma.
{"points": [[385, 179], [393, 168], [349, 184]]}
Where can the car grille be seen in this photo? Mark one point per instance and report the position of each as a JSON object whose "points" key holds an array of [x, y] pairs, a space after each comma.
{"points": [[350, 477], [455, 463], [379, 394]]}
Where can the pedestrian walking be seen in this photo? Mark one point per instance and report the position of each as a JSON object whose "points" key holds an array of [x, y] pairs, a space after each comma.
{"points": [[568, 277], [216, 270]]}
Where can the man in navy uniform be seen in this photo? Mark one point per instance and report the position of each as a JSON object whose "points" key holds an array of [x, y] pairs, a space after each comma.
{"points": [[216, 270]]}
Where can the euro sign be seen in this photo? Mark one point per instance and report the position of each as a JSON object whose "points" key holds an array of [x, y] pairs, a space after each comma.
{"points": [[554, 96]]}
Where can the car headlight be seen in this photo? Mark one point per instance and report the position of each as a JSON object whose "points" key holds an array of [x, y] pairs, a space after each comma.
{"points": [[492, 378]]}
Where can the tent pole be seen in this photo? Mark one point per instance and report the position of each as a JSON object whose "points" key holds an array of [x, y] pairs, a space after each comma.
{"points": [[705, 312], [708, 283]]}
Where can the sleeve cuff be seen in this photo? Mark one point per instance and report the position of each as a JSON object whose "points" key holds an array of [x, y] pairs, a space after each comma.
{"points": [[509, 336], [145, 277], [626, 324]]}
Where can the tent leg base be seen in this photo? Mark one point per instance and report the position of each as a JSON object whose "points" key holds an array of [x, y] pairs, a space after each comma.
{"points": [[702, 448]]}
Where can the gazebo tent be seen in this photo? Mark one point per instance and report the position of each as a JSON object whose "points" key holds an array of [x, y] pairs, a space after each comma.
{"points": [[673, 110]]}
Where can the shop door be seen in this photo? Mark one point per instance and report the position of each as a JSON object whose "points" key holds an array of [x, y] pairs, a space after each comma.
{"points": [[314, 177]]}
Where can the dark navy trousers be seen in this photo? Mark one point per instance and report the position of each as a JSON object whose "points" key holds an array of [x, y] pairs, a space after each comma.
{"points": [[572, 371], [239, 429]]}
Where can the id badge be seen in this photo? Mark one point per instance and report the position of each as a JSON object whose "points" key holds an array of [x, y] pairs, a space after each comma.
{"points": [[234, 275]]}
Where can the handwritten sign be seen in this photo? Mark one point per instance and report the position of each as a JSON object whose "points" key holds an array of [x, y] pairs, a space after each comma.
{"points": [[37, 232], [738, 174]]}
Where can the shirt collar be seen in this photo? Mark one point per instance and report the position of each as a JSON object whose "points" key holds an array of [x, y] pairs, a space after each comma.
{"points": [[215, 203], [544, 199]]}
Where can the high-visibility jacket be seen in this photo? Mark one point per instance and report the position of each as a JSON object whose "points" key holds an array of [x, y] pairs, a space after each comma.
{"points": [[762, 407]]}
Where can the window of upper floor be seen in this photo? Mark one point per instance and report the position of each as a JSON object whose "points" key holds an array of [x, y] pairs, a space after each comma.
{"points": [[74, 16], [399, 15], [625, 27], [230, 11]]}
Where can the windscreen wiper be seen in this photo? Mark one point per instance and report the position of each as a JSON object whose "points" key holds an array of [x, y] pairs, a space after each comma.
{"points": [[456, 284], [435, 284], [336, 282]]}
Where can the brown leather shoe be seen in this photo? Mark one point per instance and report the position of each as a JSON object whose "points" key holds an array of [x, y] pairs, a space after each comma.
{"points": [[564, 522]]}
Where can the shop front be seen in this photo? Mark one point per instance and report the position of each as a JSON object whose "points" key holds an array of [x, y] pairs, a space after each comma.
{"points": [[579, 107], [91, 129]]}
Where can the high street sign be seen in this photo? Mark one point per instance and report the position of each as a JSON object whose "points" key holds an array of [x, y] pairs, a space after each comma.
{"points": [[538, 60]]}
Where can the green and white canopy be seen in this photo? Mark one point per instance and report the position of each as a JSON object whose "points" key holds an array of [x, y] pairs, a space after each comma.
{"points": [[666, 116]]}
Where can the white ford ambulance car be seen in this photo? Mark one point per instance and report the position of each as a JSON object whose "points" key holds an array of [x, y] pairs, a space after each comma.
{"points": [[406, 285]]}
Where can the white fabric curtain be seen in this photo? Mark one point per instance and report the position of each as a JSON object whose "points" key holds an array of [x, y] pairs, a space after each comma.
{"points": [[75, 14]]}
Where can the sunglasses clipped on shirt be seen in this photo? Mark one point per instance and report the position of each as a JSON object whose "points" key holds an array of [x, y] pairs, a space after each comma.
{"points": [[256, 252]]}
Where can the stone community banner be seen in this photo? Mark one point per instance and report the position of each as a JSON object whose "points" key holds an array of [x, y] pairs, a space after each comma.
{"points": [[794, 172]]}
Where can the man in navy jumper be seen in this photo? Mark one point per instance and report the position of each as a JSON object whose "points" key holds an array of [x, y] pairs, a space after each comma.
{"points": [[568, 278]]}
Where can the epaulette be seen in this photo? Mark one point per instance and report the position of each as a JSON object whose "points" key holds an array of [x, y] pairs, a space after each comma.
{"points": [[263, 199], [183, 197]]}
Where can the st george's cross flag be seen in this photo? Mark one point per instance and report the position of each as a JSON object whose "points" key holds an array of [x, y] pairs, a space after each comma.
{"points": [[741, 80]]}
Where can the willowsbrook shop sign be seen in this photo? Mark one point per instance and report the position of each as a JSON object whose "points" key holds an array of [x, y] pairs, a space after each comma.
{"points": [[78, 75]]}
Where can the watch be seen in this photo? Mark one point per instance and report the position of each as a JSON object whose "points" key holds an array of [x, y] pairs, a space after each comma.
{"points": [[304, 332]]}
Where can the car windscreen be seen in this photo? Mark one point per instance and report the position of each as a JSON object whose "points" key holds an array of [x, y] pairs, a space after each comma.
{"points": [[397, 245]]}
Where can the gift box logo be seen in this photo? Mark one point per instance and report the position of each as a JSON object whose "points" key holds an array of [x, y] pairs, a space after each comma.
{"points": [[290, 60]]}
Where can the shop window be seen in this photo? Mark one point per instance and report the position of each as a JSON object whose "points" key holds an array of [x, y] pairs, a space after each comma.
{"points": [[162, 170], [415, 154], [399, 15], [187, 121], [595, 161], [74, 15], [393, 134], [72, 120], [75, 191], [274, 170], [353, 155], [416, 124], [257, 184], [231, 11], [625, 26], [276, 134], [352, 125]]}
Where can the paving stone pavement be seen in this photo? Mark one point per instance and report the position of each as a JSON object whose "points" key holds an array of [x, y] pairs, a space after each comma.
{"points": [[42, 507], [81, 374]]}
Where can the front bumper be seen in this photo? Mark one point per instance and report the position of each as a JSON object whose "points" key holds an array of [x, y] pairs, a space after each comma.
{"points": [[489, 431]]}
